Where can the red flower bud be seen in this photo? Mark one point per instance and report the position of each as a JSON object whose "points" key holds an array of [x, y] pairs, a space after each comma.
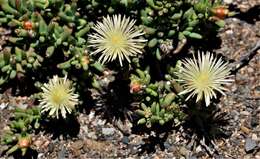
{"points": [[27, 25], [220, 12], [135, 87], [24, 142]]}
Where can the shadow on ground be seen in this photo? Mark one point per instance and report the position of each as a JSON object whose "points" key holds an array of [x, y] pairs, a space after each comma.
{"points": [[68, 127]]}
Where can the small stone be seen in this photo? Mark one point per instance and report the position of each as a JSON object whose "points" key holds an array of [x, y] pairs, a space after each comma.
{"points": [[257, 88], [245, 113], [192, 157], [250, 145], [125, 140], [92, 135], [254, 137], [85, 129], [50, 147], [247, 157], [254, 121], [91, 115], [40, 156], [166, 145], [183, 151], [228, 1], [46, 143], [77, 145], [198, 149], [3, 148], [3, 105], [108, 131], [229, 32], [76, 153], [250, 70], [245, 129], [62, 153], [156, 157], [100, 122], [38, 143]]}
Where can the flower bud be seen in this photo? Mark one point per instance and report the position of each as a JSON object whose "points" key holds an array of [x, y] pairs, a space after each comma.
{"points": [[24, 142], [220, 12], [28, 25], [135, 87]]}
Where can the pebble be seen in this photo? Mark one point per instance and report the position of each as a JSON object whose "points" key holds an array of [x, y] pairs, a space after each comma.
{"points": [[77, 145], [51, 147], [125, 140], [229, 32], [247, 157], [166, 145], [38, 143], [100, 122], [254, 137], [192, 157], [91, 115], [46, 144], [62, 153], [250, 145], [3, 148], [245, 129], [40, 156], [198, 149], [254, 121], [156, 157], [228, 1], [92, 135], [85, 129], [250, 70], [108, 131], [3, 105], [183, 151], [246, 113]]}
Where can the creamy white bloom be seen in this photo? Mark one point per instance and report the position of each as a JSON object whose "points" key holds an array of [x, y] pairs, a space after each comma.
{"points": [[116, 38], [58, 96], [204, 76]]}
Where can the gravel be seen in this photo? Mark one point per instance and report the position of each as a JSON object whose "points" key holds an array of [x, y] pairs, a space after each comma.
{"points": [[250, 145]]}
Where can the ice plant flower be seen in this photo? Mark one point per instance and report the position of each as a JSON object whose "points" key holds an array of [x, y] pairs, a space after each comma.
{"points": [[116, 38], [204, 76], [58, 96]]}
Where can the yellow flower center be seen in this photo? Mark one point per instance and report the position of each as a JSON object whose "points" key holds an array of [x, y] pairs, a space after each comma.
{"points": [[117, 40], [59, 95], [203, 80]]}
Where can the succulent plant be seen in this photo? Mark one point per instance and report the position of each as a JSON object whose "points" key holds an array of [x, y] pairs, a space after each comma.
{"points": [[161, 112], [23, 143], [42, 31], [158, 102], [175, 22], [63, 38], [17, 137]]}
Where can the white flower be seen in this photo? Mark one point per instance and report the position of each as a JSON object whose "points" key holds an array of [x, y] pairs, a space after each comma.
{"points": [[58, 96], [204, 76], [116, 38]]}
